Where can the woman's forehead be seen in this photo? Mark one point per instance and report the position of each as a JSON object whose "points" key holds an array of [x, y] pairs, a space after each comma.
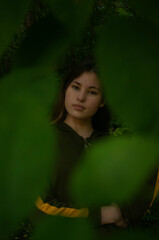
{"points": [[88, 79]]}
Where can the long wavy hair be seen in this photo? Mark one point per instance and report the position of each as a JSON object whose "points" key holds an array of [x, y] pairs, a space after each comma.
{"points": [[101, 119]]}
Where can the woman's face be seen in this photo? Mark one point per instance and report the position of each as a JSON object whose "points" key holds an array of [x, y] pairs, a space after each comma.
{"points": [[83, 96]]}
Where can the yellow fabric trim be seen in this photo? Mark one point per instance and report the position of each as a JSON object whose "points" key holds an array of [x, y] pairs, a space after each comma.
{"points": [[63, 211], [156, 189]]}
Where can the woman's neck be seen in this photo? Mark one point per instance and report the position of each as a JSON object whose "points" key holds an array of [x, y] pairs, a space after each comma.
{"points": [[82, 127]]}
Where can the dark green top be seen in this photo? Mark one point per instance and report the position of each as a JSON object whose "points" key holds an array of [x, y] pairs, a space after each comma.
{"points": [[71, 146]]}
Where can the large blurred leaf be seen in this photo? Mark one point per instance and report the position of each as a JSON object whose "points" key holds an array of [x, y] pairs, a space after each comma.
{"points": [[72, 13], [12, 14], [63, 228], [127, 55], [45, 41], [42, 83], [114, 170], [53, 34], [147, 8], [27, 143]]}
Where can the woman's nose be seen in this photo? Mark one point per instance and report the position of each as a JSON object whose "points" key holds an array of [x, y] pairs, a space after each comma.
{"points": [[81, 97]]}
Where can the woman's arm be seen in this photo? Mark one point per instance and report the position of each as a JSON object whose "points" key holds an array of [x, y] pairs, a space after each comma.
{"points": [[61, 211], [109, 214]]}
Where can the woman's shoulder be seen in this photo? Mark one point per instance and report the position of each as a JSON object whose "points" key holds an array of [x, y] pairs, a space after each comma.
{"points": [[65, 131], [61, 126]]}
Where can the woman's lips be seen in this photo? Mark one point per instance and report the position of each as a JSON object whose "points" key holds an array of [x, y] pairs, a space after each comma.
{"points": [[79, 107]]}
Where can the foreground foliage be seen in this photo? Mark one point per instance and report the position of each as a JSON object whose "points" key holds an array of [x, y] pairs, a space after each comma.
{"points": [[125, 46]]}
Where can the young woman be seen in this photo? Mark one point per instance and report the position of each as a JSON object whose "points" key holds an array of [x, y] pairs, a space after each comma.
{"points": [[81, 118]]}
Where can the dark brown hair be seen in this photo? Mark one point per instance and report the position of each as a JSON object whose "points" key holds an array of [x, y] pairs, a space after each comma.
{"points": [[101, 119]]}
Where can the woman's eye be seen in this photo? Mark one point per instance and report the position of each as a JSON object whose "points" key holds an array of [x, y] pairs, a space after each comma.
{"points": [[75, 87], [93, 93]]}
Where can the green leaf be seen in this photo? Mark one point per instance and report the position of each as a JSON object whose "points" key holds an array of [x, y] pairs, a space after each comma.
{"points": [[74, 14], [46, 40], [51, 36], [147, 8], [63, 228], [28, 145], [40, 82], [114, 169], [127, 55], [12, 14]]}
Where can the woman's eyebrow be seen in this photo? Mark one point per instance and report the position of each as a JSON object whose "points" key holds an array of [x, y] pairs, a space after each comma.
{"points": [[95, 88], [77, 83], [89, 87]]}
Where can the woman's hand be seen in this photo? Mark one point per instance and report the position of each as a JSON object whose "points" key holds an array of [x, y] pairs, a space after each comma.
{"points": [[112, 215]]}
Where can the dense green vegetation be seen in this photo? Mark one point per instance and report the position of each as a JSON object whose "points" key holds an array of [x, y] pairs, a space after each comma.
{"points": [[39, 41]]}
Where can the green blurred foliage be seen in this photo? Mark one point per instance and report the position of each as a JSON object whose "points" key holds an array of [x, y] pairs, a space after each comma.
{"points": [[85, 48], [24, 128], [34, 14], [146, 8], [117, 169], [39, 34], [126, 56], [12, 13], [60, 28], [72, 13], [42, 46], [63, 228]]}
